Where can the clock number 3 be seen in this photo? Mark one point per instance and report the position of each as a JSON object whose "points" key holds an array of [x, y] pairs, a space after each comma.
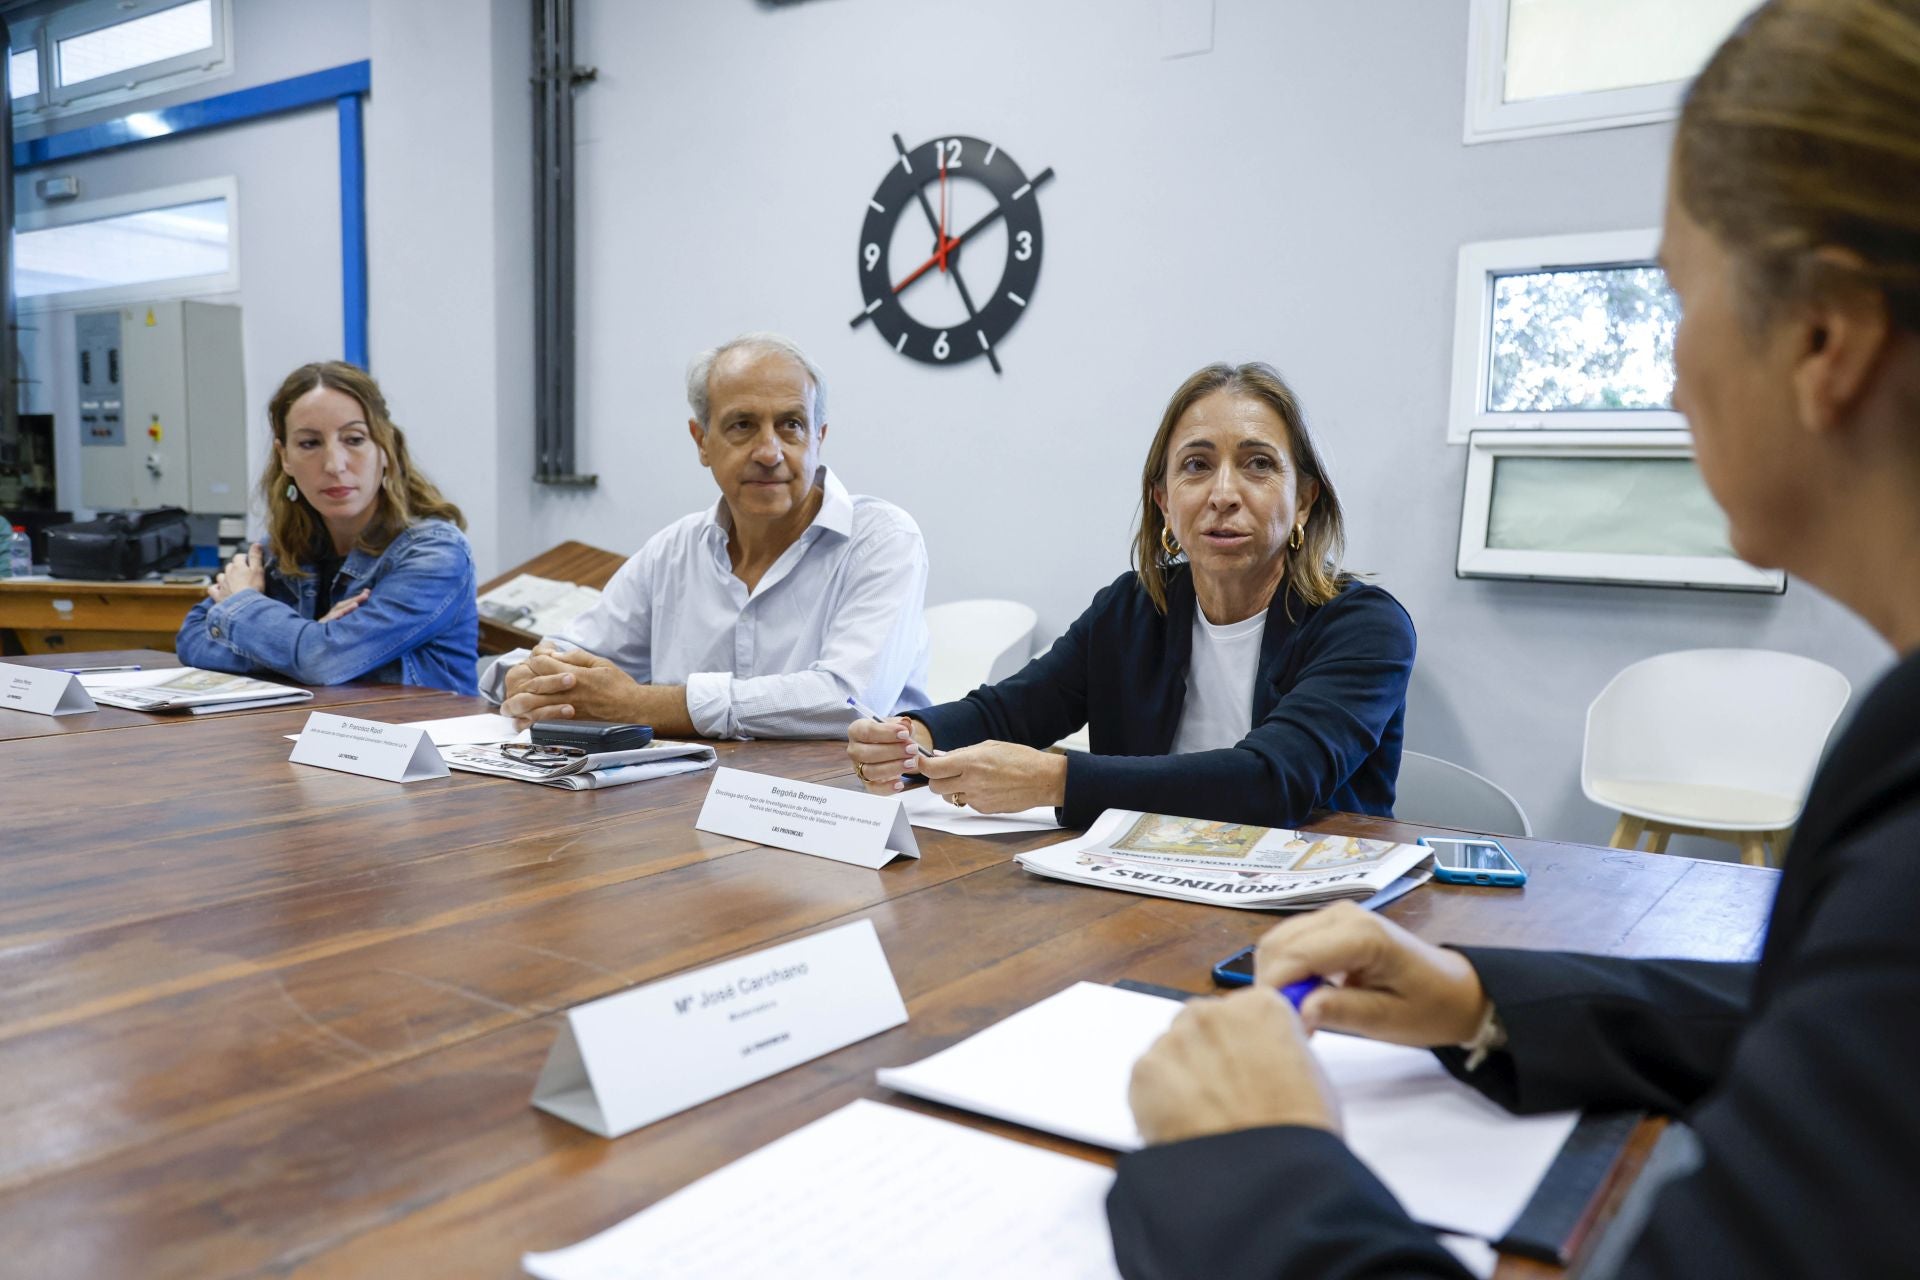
{"points": [[872, 254], [1025, 250], [941, 349]]}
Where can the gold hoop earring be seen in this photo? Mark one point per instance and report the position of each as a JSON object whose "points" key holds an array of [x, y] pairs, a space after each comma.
{"points": [[1167, 544], [1299, 538]]}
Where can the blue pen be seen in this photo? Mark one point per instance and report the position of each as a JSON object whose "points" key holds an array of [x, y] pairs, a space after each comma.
{"points": [[1297, 992]]}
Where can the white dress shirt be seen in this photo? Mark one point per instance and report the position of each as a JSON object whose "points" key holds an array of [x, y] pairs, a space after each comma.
{"points": [[839, 614], [1218, 711]]}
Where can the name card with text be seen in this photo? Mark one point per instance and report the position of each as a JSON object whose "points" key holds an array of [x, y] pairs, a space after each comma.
{"points": [[46, 693], [389, 752], [630, 1059], [847, 826]]}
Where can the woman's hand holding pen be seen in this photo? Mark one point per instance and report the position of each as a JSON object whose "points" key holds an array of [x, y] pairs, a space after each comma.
{"points": [[881, 749], [1381, 981]]}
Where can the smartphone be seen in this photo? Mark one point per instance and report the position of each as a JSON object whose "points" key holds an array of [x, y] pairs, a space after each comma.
{"points": [[592, 736], [1236, 970], [1475, 860]]}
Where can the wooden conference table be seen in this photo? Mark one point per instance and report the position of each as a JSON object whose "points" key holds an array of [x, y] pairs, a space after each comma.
{"points": [[260, 1018]]}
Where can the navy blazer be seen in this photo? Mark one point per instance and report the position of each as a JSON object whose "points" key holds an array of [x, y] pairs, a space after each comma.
{"points": [[1796, 1074], [1329, 708]]}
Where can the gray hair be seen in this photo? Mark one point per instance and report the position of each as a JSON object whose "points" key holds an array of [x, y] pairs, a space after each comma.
{"points": [[701, 370]]}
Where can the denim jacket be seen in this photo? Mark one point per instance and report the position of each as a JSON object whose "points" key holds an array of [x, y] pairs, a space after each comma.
{"points": [[419, 627]]}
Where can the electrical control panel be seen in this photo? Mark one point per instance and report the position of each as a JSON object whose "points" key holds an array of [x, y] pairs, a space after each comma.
{"points": [[162, 408]]}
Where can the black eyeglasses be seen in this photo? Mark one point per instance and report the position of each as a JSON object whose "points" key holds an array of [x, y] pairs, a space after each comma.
{"points": [[540, 756]]}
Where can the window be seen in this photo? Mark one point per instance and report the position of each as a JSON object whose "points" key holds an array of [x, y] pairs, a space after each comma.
{"points": [[170, 243], [1552, 66], [24, 70], [73, 57], [1596, 506], [1563, 331]]}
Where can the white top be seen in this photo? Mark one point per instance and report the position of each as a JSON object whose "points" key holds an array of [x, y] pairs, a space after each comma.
{"points": [[838, 615], [1226, 661]]}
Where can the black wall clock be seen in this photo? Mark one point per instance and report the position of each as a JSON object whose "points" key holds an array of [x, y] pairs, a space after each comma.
{"points": [[945, 178]]}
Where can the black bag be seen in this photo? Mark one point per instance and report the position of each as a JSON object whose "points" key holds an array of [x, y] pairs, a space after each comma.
{"points": [[120, 546]]}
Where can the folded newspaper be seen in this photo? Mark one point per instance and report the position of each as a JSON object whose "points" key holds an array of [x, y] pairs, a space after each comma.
{"points": [[192, 689], [584, 773], [1223, 862]]}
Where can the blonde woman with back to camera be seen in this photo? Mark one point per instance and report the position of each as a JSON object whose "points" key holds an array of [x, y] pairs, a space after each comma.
{"points": [[1793, 241]]}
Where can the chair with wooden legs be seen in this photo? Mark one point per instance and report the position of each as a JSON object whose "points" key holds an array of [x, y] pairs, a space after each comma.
{"points": [[1711, 742]]}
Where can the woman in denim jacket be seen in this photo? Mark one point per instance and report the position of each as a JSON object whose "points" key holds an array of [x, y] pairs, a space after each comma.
{"points": [[369, 576]]}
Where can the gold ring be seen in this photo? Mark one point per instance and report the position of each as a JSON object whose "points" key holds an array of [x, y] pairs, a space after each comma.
{"points": [[861, 771], [957, 800]]}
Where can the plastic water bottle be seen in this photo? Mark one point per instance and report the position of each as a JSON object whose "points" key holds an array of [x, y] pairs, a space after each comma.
{"points": [[22, 553]]}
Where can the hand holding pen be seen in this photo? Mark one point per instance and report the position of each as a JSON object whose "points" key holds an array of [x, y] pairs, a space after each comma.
{"points": [[884, 750]]}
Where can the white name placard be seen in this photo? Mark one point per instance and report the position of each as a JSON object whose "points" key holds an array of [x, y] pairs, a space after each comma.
{"points": [[46, 693], [630, 1059], [390, 752], [847, 826]]}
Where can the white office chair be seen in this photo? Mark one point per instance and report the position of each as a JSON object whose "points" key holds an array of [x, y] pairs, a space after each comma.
{"points": [[1433, 792], [1711, 742], [975, 642]]}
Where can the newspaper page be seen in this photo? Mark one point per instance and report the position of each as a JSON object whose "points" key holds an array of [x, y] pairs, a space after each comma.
{"points": [[1225, 863], [584, 773], [192, 687]]}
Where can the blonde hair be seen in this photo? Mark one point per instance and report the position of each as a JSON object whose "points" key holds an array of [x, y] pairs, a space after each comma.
{"points": [[406, 497], [1803, 133], [1313, 571]]}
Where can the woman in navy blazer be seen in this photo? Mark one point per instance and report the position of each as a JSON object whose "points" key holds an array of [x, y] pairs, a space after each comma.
{"points": [[1237, 674]]}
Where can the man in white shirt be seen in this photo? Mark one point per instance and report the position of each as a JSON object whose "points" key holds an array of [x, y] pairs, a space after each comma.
{"points": [[760, 617]]}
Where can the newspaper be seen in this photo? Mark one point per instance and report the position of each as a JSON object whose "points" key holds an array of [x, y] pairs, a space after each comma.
{"points": [[195, 690], [1224, 863], [540, 606], [584, 773]]}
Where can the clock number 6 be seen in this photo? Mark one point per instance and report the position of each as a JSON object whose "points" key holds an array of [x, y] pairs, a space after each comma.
{"points": [[941, 350], [872, 254], [1025, 250]]}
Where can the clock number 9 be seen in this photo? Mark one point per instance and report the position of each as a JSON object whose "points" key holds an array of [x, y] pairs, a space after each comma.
{"points": [[872, 254], [1025, 251], [940, 348]]}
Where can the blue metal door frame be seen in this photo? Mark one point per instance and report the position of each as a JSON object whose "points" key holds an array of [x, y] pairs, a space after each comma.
{"points": [[344, 86]]}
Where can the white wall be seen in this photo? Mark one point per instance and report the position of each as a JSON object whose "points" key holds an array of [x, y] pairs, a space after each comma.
{"points": [[288, 239], [449, 204], [1297, 195]]}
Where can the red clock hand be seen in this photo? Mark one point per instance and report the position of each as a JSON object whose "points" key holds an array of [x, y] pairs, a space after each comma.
{"points": [[930, 263]]}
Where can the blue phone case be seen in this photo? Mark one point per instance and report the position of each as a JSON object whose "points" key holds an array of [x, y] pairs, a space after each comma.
{"points": [[1455, 875], [1230, 978]]}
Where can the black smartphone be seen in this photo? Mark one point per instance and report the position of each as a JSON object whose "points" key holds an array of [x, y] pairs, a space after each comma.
{"points": [[592, 736], [1236, 970]]}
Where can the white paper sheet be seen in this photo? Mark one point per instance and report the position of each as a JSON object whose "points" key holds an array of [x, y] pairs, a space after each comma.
{"points": [[925, 809], [129, 679], [1455, 1160], [870, 1192]]}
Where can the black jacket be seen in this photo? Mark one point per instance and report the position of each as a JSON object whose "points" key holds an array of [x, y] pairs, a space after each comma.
{"points": [[1800, 1075], [1329, 707]]}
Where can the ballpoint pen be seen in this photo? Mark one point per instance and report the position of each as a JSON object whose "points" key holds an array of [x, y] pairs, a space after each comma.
{"points": [[94, 671], [871, 714]]}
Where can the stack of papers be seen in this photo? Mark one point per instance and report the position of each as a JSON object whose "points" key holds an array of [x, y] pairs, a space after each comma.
{"points": [[869, 1192], [189, 689], [925, 809], [1454, 1160]]}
